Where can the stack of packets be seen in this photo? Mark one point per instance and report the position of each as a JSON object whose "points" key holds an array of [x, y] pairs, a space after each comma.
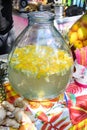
{"points": [[81, 56], [76, 92], [80, 74]]}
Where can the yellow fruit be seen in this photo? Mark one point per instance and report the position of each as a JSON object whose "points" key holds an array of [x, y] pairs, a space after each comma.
{"points": [[85, 43], [77, 34], [78, 44], [82, 33], [73, 37]]}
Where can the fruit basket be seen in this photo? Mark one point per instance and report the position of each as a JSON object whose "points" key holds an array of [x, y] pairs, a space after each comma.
{"points": [[78, 33]]}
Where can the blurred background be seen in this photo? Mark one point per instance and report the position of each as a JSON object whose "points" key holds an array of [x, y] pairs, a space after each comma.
{"points": [[66, 12]]}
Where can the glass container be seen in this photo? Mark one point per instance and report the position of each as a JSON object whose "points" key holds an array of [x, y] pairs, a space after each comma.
{"points": [[40, 63]]}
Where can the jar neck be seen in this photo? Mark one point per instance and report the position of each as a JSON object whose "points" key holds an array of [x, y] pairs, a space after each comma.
{"points": [[36, 21], [41, 18]]}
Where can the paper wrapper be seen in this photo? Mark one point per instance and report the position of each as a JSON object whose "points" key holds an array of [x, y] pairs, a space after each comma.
{"points": [[81, 56]]}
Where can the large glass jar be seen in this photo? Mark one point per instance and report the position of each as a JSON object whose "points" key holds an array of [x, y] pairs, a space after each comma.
{"points": [[40, 64]]}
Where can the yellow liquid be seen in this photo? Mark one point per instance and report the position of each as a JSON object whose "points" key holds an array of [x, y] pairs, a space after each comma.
{"points": [[38, 76], [33, 88]]}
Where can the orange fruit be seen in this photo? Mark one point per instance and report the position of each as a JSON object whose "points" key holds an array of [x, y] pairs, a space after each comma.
{"points": [[85, 43], [78, 44], [75, 26]]}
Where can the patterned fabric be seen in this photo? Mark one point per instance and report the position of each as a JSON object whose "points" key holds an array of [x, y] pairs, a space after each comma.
{"points": [[11, 95]]}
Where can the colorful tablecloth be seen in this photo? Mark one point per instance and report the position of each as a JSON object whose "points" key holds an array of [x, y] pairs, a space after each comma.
{"points": [[66, 112]]}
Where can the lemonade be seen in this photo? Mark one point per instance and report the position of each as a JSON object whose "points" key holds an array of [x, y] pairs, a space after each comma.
{"points": [[39, 72]]}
